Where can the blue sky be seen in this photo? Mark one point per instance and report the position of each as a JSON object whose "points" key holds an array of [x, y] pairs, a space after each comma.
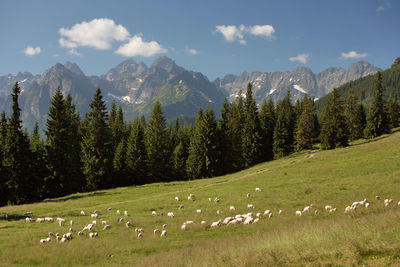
{"points": [[214, 37]]}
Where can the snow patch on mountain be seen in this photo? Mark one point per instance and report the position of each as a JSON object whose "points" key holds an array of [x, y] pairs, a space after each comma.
{"points": [[298, 88]]}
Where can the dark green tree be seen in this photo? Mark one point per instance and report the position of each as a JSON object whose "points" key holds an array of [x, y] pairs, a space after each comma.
{"points": [[393, 111], [354, 117], [119, 164], [3, 175], [377, 118], [267, 123], [18, 157], [117, 125], [179, 161], [136, 156], [225, 139], [334, 132], [157, 145], [251, 138], [97, 149], [236, 124], [284, 128], [305, 130]]}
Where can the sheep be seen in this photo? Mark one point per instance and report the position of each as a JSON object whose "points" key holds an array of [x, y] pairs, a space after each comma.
{"points": [[140, 236], [332, 210], [177, 198], [103, 222], [388, 202], [250, 206], [164, 225], [48, 219], [94, 215], [60, 219], [248, 220], [181, 206], [203, 222], [191, 197], [298, 213], [71, 222], [46, 240], [256, 220], [126, 213], [398, 203], [29, 220], [171, 215], [163, 233], [306, 209], [128, 224], [94, 222], [367, 205], [154, 213], [83, 213], [235, 221], [120, 219], [183, 227], [209, 199], [328, 208], [60, 223], [68, 235], [258, 214], [347, 209], [227, 220], [58, 238], [109, 209], [219, 211], [270, 215], [156, 231], [258, 189], [216, 200], [266, 212], [80, 233], [280, 212], [62, 240], [215, 224], [95, 211], [91, 235], [377, 197], [107, 226], [28, 213], [70, 229], [248, 195], [231, 208], [316, 212], [51, 234], [198, 211], [118, 212]]}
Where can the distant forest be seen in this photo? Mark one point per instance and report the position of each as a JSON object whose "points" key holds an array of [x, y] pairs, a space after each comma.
{"points": [[102, 151]]}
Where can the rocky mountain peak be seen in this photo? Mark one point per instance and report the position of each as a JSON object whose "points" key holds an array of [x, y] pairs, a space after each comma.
{"points": [[168, 65], [73, 67]]}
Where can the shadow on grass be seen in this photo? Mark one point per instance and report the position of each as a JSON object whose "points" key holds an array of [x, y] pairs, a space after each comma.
{"points": [[62, 199]]}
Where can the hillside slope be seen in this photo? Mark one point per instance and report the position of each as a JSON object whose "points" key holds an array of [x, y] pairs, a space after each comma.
{"points": [[338, 178]]}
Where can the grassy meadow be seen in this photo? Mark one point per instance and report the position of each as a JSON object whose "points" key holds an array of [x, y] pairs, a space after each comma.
{"points": [[339, 177]]}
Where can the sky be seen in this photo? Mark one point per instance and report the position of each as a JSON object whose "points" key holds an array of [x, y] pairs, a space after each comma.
{"points": [[215, 37]]}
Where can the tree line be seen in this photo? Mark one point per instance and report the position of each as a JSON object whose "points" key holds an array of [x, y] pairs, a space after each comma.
{"points": [[103, 151]]}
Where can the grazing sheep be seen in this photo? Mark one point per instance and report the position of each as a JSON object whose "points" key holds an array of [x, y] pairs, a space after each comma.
{"points": [[80, 233], [216, 224], [68, 235], [51, 234], [118, 212], [120, 219], [161, 213], [94, 215], [154, 213], [171, 215], [177, 198], [209, 199], [181, 206], [62, 240], [71, 222], [328, 208], [227, 220], [258, 214], [83, 213], [298, 213], [367, 205], [28, 213], [377, 197], [156, 231], [128, 223], [219, 211], [109, 209], [107, 226], [203, 222], [29, 220], [103, 222], [398, 203], [183, 227], [216, 200], [91, 235], [70, 229], [248, 195], [250, 206], [95, 211], [198, 211], [60, 223], [266, 212], [191, 197], [316, 212], [163, 233], [270, 215], [248, 220], [280, 212], [235, 221], [48, 219], [306, 209], [94, 222], [347, 209], [256, 220], [164, 225], [126, 213], [231, 208], [140, 235], [258, 189], [332, 210]]}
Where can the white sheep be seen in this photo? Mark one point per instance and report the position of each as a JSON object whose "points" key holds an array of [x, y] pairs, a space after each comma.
{"points": [[209, 199], [216, 224], [181, 206], [62, 240], [270, 215], [203, 222], [248, 195], [71, 222], [164, 225], [235, 221], [191, 197], [48, 219], [83, 213], [91, 235], [128, 223], [316, 212], [280, 212], [94, 222], [126, 213], [80, 233], [328, 208], [231, 208], [219, 211], [46, 240], [216, 200], [248, 220], [266, 212], [306, 209], [94, 215], [60, 223], [258, 189], [227, 220], [107, 226], [183, 227], [51, 234], [398, 203], [154, 213], [377, 197], [118, 212], [256, 220], [258, 214], [70, 229], [298, 212], [367, 205], [29, 220], [332, 210], [177, 198], [198, 211], [109, 209], [156, 231], [171, 215], [103, 222], [250, 206], [163, 233], [140, 236], [347, 209]]}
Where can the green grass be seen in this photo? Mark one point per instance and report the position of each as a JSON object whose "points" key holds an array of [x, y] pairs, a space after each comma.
{"points": [[338, 177]]}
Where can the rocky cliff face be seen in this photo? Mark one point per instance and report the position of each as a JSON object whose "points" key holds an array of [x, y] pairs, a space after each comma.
{"points": [[301, 81]]}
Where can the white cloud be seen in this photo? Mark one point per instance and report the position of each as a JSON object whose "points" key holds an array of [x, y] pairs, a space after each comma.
{"points": [[353, 54], [191, 51], [97, 33], [74, 52], [262, 30], [137, 47], [233, 33], [303, 58], [31, 51]]}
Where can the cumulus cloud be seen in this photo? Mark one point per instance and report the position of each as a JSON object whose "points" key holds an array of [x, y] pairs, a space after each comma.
{"points": [[233, 33], [191, 51], [137, 47], [352, 54], [31, 51], [97, 33], [303, 58], [262, 30], [74, 52]]}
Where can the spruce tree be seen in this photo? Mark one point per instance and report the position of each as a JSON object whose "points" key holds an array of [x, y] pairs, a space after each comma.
{"points": [[179, 161], [39, 161], [251, 138], [116, 124], [305, 130], [236, 121], [97, 147], [3, 175], [195, 164], [393, 111], [334, 132], [18, 157], [157, 145], [377, 118], [267, 123], [136, 156], [284, 128], [354, 117], [119, 164], [225, 139]]}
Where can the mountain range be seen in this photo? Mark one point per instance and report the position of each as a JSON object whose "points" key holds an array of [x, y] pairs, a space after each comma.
{"points": [[136, 87]]}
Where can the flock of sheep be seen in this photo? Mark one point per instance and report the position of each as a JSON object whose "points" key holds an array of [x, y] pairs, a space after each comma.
{"points": [[247, 218]]}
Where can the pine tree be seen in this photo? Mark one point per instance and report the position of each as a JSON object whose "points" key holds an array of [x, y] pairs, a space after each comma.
{"points": [[157, 145], [236, 120], [393, 111], [334, 132], [39, 161], [305, 130], [97, 146], [354, 118], [116, 124], [225, 139], [179, 161], [18, 157], [284, 128], [119, 164], [267, 123], [3, 175], [136, 156], [251, 138], [377, 118]]}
